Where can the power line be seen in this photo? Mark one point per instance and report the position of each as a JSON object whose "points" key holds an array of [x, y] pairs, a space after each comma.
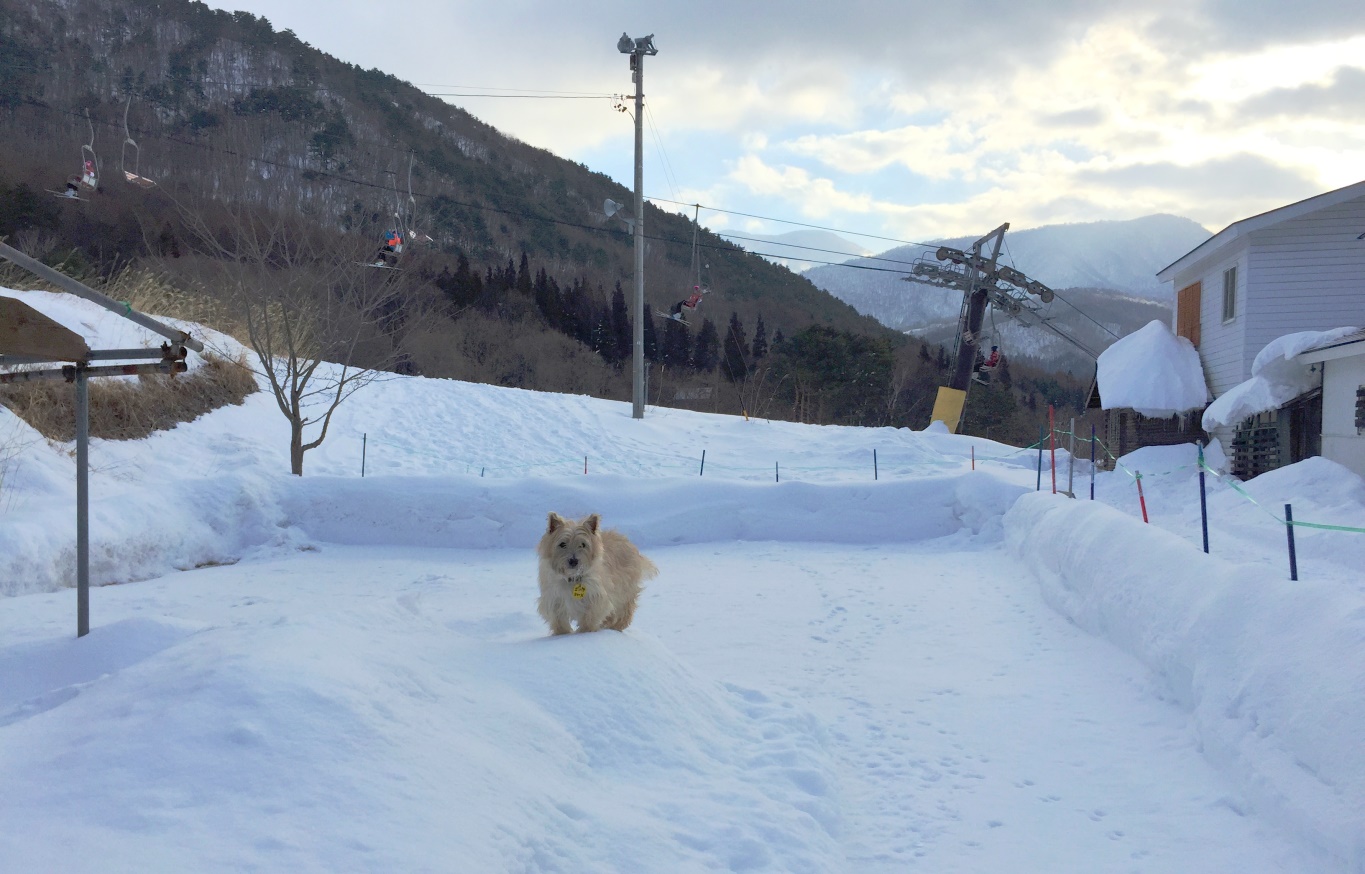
{"points": [[800, 224]]}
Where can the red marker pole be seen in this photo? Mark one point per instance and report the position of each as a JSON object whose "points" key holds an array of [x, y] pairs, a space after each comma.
{"points": [[973, 458], [1142, 502]]}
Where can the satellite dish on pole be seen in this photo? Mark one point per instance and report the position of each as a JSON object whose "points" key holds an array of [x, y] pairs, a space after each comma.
{"points": [[612, 208]]}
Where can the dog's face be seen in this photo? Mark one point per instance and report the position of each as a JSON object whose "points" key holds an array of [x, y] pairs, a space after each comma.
{"points": [[571, 547]]}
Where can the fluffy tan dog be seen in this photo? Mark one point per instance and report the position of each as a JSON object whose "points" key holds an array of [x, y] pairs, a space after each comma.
{"points": [[589, 576]]}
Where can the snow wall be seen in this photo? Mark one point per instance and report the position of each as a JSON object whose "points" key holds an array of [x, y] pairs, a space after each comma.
{"points": [[143, 533], [1273, 671]]}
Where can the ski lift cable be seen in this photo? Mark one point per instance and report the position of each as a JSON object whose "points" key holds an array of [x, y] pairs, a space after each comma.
{"points": [[800, 224], [1067, 302], [363, 183], [515, 214], [663, 153]]}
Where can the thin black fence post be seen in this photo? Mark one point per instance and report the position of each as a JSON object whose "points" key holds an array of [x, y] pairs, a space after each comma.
{"points": [[1042, 438], [777, 473], [364, 444], [1289, 529], [874, 464], [1203, 501], [702, 472]]}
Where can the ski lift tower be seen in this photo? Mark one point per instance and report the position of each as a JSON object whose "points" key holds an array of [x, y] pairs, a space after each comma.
{"points": [[28, 337], [637, 49], [983, 281]]}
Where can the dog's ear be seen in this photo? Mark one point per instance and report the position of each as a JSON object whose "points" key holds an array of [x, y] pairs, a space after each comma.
{"points": [[556, 522], [592, 522]]}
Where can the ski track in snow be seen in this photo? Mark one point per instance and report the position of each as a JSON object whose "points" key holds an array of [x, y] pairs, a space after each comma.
{"points": [[973, 727]]}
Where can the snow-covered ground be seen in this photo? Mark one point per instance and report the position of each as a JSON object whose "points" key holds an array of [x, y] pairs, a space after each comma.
{"points": [[934, 669]]}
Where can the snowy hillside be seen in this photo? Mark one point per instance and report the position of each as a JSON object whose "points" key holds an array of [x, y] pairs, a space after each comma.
{"points": [[849, 663], [1084, 262]]}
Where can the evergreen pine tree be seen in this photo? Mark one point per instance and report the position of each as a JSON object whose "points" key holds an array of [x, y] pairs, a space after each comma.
{"points": [[524, 276], [651, 338], [706, 352], [621, 328], [677, 345], [760, 344], [735, 358]]}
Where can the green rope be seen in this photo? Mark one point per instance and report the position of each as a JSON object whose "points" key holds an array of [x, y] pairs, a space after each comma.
{"points": [[1237, 487]]}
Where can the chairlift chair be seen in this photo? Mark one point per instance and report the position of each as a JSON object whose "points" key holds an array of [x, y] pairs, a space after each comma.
{"points": [[90, 162], [132, 176]]}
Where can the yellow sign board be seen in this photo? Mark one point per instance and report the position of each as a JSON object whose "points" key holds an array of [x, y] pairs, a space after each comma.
{"points": [[25, 331], [948, 407]]}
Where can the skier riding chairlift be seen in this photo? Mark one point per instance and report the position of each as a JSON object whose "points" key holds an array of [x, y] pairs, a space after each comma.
{"points": [[388, 254], [986, 367], [690, 303]]}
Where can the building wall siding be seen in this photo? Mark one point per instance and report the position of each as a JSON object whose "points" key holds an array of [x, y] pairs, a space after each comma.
{"points": [[1306, 274], [1222, 344], [1341, 442]]}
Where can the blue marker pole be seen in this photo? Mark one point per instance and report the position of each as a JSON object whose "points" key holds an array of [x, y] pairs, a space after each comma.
{"points": [[1092, 462], [1289, 528]]}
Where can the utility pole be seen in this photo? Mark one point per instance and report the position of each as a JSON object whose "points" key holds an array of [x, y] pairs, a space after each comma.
{"points": [[637, 49]]}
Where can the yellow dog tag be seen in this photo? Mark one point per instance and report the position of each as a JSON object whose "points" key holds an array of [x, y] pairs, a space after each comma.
{"points": [[579, 591]]}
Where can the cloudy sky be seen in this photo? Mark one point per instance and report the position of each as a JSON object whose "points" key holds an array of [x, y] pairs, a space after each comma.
{"points": [[904, 119]]}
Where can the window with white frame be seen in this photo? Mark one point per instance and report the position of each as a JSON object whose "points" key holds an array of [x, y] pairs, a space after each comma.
{"points": [[1229, 294]]}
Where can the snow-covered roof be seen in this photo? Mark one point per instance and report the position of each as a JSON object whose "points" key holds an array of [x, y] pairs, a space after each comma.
{"points": [[1257, 222], [1153, 372], [1341, 347], [1278, 375]]}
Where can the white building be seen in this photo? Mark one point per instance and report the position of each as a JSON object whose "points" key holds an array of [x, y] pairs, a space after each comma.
{"points": [[1297, 268], [1342, 364]]}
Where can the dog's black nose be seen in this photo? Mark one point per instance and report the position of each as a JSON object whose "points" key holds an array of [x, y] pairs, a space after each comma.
{"points": [[573, 561]]}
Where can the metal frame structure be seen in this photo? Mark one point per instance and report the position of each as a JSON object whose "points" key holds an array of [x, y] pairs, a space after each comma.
{"points": [[172, 356]]}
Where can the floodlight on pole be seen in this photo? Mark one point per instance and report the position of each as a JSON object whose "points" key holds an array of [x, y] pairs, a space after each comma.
{"points": [[637, 49]]}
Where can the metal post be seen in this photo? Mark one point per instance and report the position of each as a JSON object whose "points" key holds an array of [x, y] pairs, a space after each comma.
{"points": [[1092, 462], [702, 472], [638, 381], [1203, 502], [874, 464], [1289, 530], [364, 442], [777, 473], [1042, 436], [82, 502]]}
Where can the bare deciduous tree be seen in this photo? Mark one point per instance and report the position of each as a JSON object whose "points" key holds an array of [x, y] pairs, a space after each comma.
{"points": [[320, 323]]}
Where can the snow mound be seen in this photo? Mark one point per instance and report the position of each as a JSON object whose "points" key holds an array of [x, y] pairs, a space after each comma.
{"points": [[1153, 372], [1271, 670], [369, 736]]}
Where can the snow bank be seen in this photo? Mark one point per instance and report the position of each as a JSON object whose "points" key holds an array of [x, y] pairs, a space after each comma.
{"points": [[1153, 372], [1276, 379], [138, 533], [1272, 671], [368, 735]]}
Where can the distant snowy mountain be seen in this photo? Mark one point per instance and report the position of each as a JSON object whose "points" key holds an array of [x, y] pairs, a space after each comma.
{"points": [[799, 251], [1105, 273]]}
